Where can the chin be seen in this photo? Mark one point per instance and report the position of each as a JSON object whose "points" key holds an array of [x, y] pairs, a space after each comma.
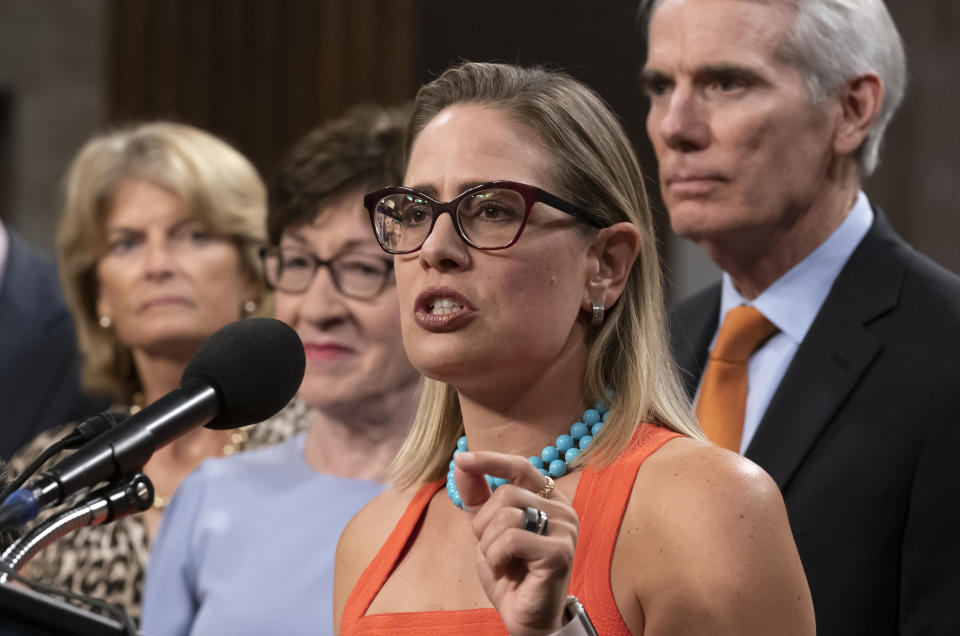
{"points": [[182, 343], [703, 223], [689, 218], [322, 398], [454, 372]]}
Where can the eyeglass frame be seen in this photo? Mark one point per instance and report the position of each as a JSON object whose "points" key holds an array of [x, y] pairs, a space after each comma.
{"points": [[531, 195], [270, 250]]}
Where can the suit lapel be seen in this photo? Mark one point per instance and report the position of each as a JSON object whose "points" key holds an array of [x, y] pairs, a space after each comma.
{"points": [[834, 354], [692, 327]]}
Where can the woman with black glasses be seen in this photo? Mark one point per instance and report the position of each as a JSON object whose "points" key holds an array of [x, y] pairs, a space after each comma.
{"points": [[247, 544], [553, 454]]}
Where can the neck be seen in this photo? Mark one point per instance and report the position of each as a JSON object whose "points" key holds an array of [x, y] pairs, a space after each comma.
{"points": [[158, 374], [358, 441], [757, 258], [522, 419]]}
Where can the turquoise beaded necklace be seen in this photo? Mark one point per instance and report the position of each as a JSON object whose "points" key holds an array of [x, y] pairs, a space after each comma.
{"points": [[553, 460]]}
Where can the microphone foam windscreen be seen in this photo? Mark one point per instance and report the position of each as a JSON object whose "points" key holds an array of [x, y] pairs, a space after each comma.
{"points": [[255, 364]]}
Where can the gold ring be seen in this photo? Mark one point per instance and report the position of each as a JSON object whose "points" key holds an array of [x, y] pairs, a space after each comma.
{"points": [[548, 486]]}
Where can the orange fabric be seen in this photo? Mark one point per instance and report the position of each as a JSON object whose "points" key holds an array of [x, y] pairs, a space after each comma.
{"points": [[723, 392], [600, 502]]}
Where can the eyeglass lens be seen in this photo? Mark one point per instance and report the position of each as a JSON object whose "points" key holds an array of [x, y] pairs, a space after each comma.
{"points": [[487, 218], [354, 274]]}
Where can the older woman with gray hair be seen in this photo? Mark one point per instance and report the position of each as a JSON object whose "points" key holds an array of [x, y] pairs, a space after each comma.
{"points": [[284, 507]]}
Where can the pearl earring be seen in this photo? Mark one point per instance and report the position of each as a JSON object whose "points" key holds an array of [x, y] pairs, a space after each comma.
{"points": [[249, 307], [105, 322]]}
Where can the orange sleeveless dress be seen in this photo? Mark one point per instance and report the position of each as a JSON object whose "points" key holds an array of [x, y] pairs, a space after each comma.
{"points": [[600, 502]]}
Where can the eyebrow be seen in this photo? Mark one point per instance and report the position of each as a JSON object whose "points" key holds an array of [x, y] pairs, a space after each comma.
{"points": [[712, 71], [648, 75], [173, 228], [293, 235], [433, 193], [349, 245], [705, 74]]}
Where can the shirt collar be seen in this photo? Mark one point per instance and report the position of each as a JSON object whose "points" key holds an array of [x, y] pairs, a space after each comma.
{"points": [[794, 300]]}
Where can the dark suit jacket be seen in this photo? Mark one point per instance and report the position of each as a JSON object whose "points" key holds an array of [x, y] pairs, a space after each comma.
{"points": [[39, 385], [863, 436]]}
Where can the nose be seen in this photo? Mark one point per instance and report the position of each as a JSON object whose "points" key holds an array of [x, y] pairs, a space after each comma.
{"points": [[158, 258], [444, 249], [682, 124], [322, 303]]}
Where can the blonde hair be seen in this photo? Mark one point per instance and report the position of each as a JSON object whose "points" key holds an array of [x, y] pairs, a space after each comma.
{"points": [[597, 170], [218, 187]]}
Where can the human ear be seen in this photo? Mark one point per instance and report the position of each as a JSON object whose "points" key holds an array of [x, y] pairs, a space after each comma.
{"points": [[860, 102], [613, 251]]}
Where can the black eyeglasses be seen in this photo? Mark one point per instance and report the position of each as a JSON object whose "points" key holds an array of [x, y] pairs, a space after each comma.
{"points": [[490, 216], [355, 275]]}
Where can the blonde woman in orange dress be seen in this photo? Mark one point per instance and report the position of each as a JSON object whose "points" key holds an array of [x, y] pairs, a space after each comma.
{"points": [[530, 293]]}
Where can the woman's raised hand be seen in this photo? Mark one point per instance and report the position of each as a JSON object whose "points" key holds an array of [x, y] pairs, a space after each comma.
{"points": [[524, 573]]}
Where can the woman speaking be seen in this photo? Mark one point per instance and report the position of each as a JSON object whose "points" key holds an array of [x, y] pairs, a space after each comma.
{"points": [[530, 294]]}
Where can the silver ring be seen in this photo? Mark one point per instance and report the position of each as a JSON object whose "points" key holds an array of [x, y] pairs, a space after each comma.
{"points": [[531, 519], [542, 520]]}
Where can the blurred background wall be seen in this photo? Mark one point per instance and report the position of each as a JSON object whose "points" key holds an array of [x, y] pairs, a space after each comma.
{"points": [[260, 73]]}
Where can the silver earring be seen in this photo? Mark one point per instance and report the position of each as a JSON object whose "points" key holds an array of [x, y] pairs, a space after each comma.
{"points": [[105, 322], [249, 307], [597, 318]]}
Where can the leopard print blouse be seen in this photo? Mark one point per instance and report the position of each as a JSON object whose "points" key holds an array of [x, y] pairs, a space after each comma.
{"points": [[108, 562]]}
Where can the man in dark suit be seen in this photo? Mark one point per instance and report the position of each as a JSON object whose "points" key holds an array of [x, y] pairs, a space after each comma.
{"points": [[765, 117], [39, 381]]}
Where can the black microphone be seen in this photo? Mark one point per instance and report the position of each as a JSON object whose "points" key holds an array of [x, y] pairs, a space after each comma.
{"points": [[91, 428], [243, 374], [85, 431]]}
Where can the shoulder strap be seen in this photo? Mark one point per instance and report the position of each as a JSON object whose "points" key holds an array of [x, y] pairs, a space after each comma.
{"points": [[601, 500], [386, 558]]}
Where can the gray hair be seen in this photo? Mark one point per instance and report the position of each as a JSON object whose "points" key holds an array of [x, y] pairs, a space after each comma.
{"points": [[835, 41]]}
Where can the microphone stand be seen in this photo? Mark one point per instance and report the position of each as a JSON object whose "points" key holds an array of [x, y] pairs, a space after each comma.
{"points": [[127, 495]]}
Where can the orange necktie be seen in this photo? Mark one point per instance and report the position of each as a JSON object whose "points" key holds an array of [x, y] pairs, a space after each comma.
{"points": [[723, 392]]}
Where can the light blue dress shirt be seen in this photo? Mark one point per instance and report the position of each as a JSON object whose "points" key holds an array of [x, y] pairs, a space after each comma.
{"points": [[247, 547], [791, 303]]}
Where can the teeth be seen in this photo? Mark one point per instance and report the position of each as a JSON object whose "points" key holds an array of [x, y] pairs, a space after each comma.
{"points": [[444, 306]]}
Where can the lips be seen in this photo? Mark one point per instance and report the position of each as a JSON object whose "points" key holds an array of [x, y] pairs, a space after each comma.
{"points": [[319, 351], [692, 185], [441, 310], [164, 301]]}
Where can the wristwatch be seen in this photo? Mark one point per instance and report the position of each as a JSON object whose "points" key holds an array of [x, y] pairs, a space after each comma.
{"points": [[576, 621]]}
